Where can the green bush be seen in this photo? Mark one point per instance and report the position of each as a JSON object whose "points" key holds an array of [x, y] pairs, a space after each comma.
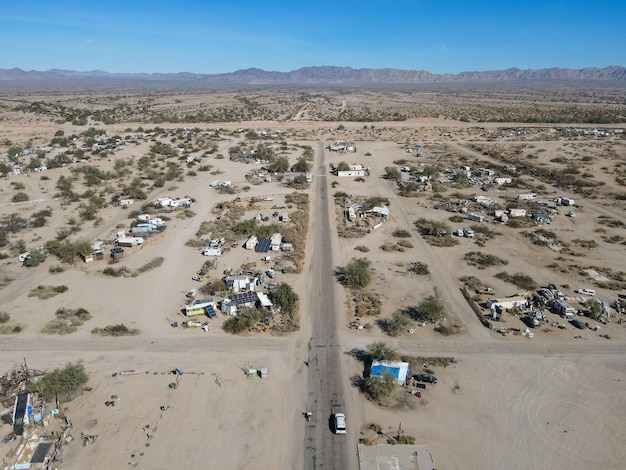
{"points": [[521, 280], [398, 322], [482, 260], [356, 274], [20, 197], [378, 389], [245, 319]]}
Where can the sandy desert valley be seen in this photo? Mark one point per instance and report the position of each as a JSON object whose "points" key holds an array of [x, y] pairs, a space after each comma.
{"points": [[475, 234]]}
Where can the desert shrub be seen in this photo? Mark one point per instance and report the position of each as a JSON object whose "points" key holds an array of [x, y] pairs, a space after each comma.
{"points": [[121, 271], [56, 269], [20, 197], [67, 321], [366, 303], [586, 243], [153, 264], [60, 381], [10, 329], [456, 219], [398, 322], [115, 330], [362, 248], [521, 280], [418, 268], [402, 439], [45, 292], [482, 260], [378, 389], [519, 222], [245, 319], [37, 256], [213, 286], [405, 244], [401, 233], [612, 285], [445, 330], [356, 274], [594, 309], [4, 317], [379, 351], [435, 232], [485, 231], [429, 309]]}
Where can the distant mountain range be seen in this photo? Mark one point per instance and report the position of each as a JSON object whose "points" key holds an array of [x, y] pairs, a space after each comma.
{"points": [[324, 75]]}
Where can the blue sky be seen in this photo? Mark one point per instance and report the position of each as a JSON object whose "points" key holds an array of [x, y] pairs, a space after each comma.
{"points": [[218, 36]]}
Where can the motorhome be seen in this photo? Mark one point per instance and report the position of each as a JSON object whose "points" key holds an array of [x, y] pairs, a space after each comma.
{"points": [[564, 309]]}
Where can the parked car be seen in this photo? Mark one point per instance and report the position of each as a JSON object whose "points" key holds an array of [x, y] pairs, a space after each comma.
{"points": [[426, 378], [578, 324], [339, 423], [531, 321]]}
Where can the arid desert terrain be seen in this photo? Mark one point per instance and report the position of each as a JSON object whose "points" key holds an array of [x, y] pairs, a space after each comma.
{"points": [[536, 175]]}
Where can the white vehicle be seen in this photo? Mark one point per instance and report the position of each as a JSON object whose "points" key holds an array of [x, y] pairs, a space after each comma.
{"points": [[212, 252], [468, 232], [590, 292], [339, 423]]}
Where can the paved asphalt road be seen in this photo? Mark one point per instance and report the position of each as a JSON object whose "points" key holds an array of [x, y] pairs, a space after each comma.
{"points": [[323, 449]]}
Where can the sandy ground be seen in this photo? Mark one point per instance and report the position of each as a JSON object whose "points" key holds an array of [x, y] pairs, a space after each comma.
{"points": [[553, 401]]}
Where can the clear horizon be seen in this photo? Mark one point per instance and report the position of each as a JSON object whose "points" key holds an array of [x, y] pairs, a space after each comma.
{"points": [[144, 36]]}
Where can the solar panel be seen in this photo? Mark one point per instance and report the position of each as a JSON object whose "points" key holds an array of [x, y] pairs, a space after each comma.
{"points": [[245, 298], [263, 245]]}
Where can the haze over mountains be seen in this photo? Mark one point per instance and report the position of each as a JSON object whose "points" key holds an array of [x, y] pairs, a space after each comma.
{"points": [[323, 75]]}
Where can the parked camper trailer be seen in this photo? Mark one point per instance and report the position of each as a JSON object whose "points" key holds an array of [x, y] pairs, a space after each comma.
{"points": [[564, 309], [129, 241]]}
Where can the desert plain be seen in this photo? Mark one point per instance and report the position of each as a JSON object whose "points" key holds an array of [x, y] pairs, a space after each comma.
{"points": [[504, 398]]}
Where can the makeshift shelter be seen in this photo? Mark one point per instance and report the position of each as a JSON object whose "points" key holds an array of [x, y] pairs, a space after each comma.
{"points": [[400, 370]]}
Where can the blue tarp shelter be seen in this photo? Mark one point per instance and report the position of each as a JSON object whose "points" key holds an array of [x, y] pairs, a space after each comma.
{"points": [[400, 370]]}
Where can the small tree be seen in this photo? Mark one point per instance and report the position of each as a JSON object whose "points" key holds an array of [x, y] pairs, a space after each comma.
{"points": [[392, 173], [379, 388], [280, 165], [343, 166], [284, 297], [61, 381], [399, 321], [20, 197], [460, 179], [13, 223], [594, 309], [245, 319], [301, 166], [356, 274], [431, 172], [432, 309], [37, 256], [381, 352]]}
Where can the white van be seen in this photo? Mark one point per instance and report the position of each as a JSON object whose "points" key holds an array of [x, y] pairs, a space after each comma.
{"points": [[589, 292]]}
